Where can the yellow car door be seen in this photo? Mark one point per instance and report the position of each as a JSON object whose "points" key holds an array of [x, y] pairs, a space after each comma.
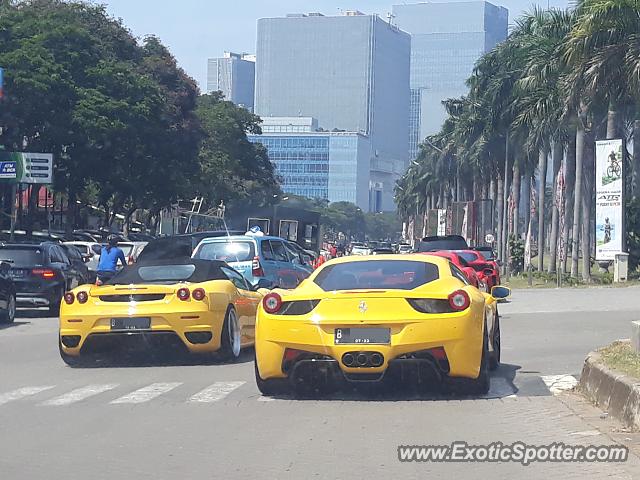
{"points": [[246, 304]]}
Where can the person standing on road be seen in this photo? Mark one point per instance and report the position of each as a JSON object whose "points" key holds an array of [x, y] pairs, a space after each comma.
{"points": [[109, 256]]}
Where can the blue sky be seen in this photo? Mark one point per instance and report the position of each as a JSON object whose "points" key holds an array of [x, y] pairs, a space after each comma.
{"points": [[195, 30]]}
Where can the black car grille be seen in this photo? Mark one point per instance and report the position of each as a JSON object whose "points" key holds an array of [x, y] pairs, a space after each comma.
{"points": [[138, 297]]}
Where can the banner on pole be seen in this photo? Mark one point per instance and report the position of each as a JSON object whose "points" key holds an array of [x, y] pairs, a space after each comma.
{"points": [[24, 167], [609, 199]]}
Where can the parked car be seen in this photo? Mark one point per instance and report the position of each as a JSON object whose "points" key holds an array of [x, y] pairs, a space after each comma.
{"points": [[7, 294], [177, 246], [90, 251], [78, 262], [41, 273], [256, 258]]}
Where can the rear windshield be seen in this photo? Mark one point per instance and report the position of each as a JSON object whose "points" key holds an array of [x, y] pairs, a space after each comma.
{"points": [[22, 257], [487, 254], [229, 252], [382, 274], [469, 257], [433, 245], [166, 273], [126, 249]]}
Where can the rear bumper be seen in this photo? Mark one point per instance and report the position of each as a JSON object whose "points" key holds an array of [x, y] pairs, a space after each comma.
{"points": [[461, 337]]}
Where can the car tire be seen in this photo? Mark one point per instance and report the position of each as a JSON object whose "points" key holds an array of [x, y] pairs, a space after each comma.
{"points": [[9, 315], [494, 359], [273, 386], [70, 360], [231, 336]]}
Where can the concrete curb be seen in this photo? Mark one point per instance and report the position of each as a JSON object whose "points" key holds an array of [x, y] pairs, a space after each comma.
{"points": [[614, 392]]}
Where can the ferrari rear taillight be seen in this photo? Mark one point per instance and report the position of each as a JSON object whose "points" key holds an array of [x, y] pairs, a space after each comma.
{"points": [[69, 298], [82, 297], [459, 300], [44, 273], [256, 268], [430, 305], [183, 294], [272, 303], [199, 294]]}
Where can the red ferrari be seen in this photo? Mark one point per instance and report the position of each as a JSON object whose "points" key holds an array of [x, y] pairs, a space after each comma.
{"points": [[471, 275], [487, 270]]}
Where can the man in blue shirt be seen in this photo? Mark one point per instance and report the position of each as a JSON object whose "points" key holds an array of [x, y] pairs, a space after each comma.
{"points": [[109, 256]]}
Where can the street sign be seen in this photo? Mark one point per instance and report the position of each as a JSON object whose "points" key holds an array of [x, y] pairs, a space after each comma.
{"points": [[24, 167]]}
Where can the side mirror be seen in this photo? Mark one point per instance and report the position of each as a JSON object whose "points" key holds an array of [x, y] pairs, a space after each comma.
{"points": [[5, 267], [264, 283], [499, 292]]}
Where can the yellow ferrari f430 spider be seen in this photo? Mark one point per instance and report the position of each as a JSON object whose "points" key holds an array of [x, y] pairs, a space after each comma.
{"points": [[366, 318], [202, 305]]}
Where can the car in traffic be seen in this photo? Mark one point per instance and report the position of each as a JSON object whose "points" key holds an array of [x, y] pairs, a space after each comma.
{"points": [[199, 306], [78, 263], [442, 242], [360, 249], [382, 251], [132, 250], [257, 257], [487, 270], [363, 319], [461, 267], [41, 273], [404, 248], [177, 246]]}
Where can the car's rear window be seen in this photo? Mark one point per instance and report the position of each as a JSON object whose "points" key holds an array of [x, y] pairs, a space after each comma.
{"points": [[22, 257], [126, 249], [241, 251], [166, 273], [487, 254], [379, 274], [467, 256]]}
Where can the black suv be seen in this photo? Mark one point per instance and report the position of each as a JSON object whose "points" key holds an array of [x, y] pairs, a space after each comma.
{"points": [[41, 273]]}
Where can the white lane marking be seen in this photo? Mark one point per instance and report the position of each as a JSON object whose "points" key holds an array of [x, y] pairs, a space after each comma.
{"points": [[586, 433], [21, 393], [262, 398], [147, 393], [215, 392], [79, 394], [559, 383]]}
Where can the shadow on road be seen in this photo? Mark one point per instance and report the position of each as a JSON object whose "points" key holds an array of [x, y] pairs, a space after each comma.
{"points": [[502, 385], [120, 358], [34, 313], [4, 326]]}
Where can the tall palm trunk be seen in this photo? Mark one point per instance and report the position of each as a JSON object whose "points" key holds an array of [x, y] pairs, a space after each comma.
{"points": [[588, 173], [505, 204], [499, 206], [577, 203], [636, 156], [516, 197], [556, 160], [570, 180], [525, 195], [542, 186]]}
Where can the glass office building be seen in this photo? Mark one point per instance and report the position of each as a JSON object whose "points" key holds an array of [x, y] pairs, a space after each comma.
{"points": [[335, 166], [446, 41], [349, 72], [234, 76]]}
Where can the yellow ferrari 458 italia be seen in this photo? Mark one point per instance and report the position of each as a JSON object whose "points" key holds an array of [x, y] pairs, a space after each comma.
{"points": [[364, 319], [202, 305]]}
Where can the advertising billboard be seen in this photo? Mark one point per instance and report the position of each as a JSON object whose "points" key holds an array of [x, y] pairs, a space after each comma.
{"points": [[609, 199], [23, 167]]}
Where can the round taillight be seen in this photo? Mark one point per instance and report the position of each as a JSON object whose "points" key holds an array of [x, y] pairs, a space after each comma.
{"points": [[272, 303], [82, 297], [183, 294], [69, 298], [198, 294], [459, 300]]}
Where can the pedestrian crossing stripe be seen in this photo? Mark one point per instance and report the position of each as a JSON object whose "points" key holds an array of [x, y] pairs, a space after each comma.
{"points": [[559, 383], [215, 392], [79, 394], [23, 392], [147, 393]]}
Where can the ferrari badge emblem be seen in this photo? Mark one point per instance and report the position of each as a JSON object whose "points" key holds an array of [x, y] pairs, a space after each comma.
{"points": [[363, 307]]}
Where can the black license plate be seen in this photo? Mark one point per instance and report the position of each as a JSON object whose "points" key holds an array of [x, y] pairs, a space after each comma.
{"points": [[17, 273], [133, 323], [362, 336]]}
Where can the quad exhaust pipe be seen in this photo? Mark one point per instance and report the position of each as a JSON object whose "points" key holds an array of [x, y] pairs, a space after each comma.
{"points": [[362, 359]]}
